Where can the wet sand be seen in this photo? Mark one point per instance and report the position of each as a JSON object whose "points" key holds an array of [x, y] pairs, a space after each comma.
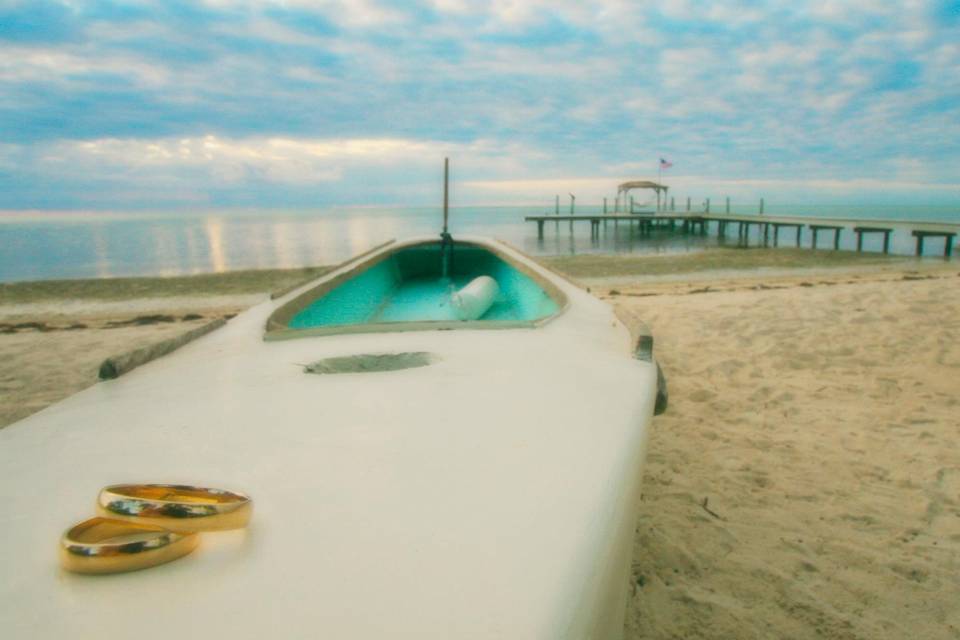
{"points": [[805, 481]]}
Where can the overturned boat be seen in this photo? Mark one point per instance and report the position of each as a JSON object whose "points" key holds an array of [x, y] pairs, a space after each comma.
{"points": [[441, 443]]}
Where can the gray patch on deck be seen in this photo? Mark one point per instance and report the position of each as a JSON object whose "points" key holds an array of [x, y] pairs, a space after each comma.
{"points": [[367, 362]]}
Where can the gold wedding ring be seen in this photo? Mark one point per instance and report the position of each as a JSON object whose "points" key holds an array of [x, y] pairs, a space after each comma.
{"points": [[179, 508], [105, 545]]}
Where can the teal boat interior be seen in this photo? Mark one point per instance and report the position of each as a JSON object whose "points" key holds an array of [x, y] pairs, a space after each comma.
{"points": [[406, 289]]}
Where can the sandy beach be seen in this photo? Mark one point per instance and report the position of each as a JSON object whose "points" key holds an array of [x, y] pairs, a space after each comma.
{"points": [[805, 481]]}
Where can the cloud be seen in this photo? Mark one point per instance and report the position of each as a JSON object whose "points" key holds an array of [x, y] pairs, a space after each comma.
{"points": [[284, 96], [217, 170]]}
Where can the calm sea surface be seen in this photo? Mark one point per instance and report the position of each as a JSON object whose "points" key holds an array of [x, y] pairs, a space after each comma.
{"points": [[54, 245]]}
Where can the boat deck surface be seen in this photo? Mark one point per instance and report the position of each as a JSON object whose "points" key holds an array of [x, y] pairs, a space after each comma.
{"points": [[491, 494]]}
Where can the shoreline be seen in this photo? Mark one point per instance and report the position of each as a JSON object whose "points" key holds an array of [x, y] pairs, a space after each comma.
{"points": [[238, 282], [582, 267], [79, 323]]}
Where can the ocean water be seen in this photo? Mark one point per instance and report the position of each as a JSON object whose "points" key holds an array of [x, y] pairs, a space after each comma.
{"points": [[56, 245]]}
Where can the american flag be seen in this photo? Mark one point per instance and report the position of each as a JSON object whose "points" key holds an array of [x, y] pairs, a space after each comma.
{"points": [[664, 164]]}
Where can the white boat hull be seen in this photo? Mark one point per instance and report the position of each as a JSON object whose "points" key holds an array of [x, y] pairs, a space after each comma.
{"points": [[491, 494]]}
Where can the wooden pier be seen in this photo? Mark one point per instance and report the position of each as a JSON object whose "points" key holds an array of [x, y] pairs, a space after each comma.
{"points": [[644, 223], [699, 223]]}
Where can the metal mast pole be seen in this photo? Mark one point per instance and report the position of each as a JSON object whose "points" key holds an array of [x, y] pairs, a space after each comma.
{"points": [[659, 180], [446, 241], [446, 194]]}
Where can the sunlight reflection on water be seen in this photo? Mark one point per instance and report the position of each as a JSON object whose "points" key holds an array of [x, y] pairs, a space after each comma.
{"points": [[43, 245]]}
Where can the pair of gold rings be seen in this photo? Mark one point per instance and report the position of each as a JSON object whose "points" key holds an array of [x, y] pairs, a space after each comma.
{"points": [[143, 525]]}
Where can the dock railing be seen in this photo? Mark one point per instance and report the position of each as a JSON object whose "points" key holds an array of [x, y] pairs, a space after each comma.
{"points": [[614, 206]]}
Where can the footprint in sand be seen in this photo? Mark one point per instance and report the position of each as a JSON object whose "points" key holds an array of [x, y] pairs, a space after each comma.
{"points": [[915, 574], [943, 513], [701, 395]]}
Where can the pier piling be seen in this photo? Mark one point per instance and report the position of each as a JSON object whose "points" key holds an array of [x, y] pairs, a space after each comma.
{"points": [[947, 236], [815, 230], [886, 231]]}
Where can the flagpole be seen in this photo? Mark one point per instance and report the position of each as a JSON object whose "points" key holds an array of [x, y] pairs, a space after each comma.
{"points": [[659, 181]]}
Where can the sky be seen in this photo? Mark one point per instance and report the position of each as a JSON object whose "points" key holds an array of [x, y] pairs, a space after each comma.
{"points": [[179, 104]]}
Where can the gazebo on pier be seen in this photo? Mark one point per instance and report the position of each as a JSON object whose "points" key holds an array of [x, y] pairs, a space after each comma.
{"points": [[624, 189]]}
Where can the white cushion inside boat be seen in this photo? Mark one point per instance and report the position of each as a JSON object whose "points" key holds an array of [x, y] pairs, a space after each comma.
{"points": [[473, 300]]}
